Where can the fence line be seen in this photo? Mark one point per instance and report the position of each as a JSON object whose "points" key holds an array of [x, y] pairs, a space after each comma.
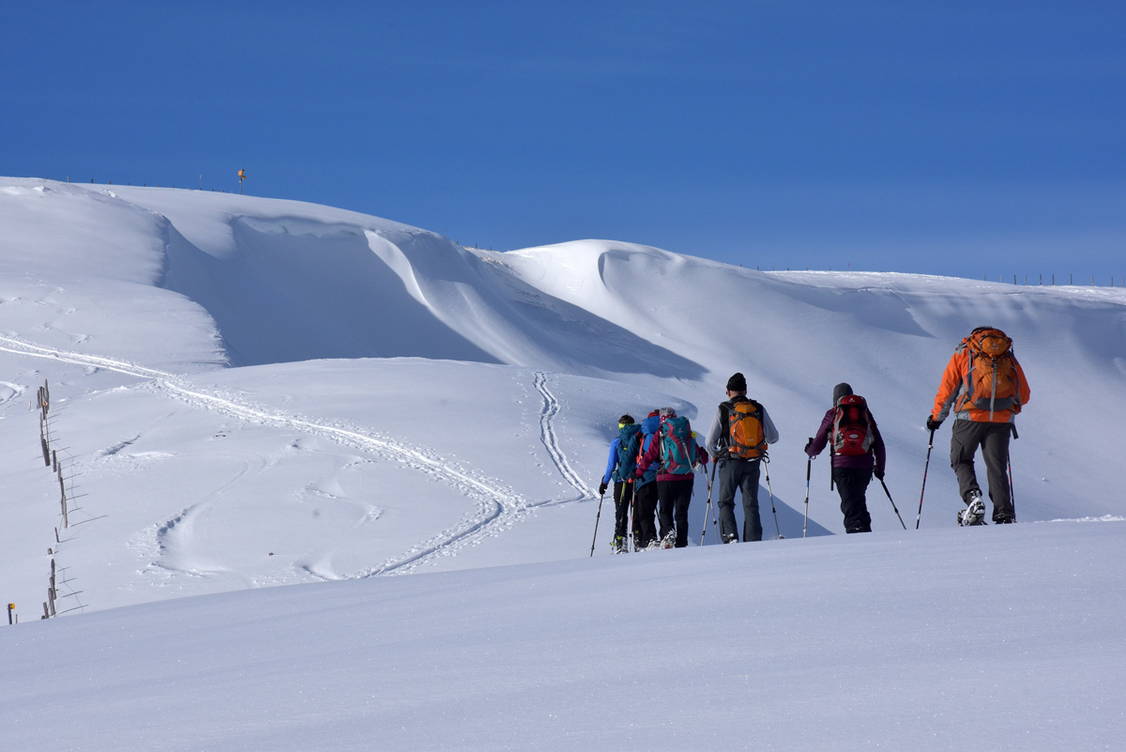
{"points": [[67, 496]]}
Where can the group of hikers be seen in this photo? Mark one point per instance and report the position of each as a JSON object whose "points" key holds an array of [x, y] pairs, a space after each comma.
{"points": [[652, 462]]}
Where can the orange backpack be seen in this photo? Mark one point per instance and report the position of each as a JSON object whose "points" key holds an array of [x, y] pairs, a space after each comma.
{"points": [[745, 438], [991, 381]]}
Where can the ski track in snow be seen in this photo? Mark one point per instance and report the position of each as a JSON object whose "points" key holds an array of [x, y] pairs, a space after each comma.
{"points": [[166, 536], [13, 391], [497, 508], [550, 441]]}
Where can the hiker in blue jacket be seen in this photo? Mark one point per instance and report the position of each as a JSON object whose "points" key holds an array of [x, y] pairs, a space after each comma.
{"points": [[620, 466]]}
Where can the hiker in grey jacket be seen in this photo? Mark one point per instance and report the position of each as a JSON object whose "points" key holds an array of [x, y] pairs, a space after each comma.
{"points": [[737, 442]]}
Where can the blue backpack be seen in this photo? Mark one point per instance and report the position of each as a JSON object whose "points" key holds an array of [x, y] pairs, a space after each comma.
{"points": [[629, 439], [678, 447]]}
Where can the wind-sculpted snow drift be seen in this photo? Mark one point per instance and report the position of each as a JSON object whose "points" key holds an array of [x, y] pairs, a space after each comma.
{"points": [[506, 368], [250, 392]]}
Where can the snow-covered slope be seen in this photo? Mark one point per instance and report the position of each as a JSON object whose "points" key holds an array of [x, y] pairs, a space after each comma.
{"points": [[250, 392], [796, 334], [464, 419], [987, 639]]}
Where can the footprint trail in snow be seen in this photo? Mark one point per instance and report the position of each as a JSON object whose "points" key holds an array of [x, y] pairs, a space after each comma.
{"points": [[550, 441], [496, 507]]}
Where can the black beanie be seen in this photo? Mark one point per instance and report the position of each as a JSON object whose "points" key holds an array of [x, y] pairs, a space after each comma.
{"points": [[737, 383], [841, 390], [626, 420]]}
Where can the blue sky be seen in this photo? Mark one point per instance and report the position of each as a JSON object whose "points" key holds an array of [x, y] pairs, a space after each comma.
{"points": [[965, 138]]}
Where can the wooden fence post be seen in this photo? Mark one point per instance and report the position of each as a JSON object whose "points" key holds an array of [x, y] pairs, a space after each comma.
{"points": [[62, 498]]}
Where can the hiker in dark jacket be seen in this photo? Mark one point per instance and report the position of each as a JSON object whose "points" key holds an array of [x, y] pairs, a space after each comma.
{"points": [[620, 468], [858, 453], [737, 454], [674, 454], [645, 489]]}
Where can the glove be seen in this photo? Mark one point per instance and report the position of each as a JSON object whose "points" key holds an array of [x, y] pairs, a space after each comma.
{"points": [[932, 424], [601, 489], [878, 473], [808, 449]]}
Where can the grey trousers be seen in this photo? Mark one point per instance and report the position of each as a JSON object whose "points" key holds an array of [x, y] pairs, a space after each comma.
{"points": [[741, 475], [993, 438]]}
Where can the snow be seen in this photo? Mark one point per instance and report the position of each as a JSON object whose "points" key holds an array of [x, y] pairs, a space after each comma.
{"points": [[249, 393], [994, 638]]}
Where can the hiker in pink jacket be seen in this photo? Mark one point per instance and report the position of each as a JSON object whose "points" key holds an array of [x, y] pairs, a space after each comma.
{"points": [[675, 453]]}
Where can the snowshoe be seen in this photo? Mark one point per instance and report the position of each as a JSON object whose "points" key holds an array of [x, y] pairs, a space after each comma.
{"points": [[669, 541], [618, 545], [973, 514], [731, 538]]}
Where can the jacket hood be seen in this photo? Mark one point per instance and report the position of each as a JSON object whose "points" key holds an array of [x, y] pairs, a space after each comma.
{"points": [[649, 426]]}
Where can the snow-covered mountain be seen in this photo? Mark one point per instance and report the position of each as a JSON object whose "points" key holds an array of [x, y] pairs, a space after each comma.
{"points": [[251, 392]]}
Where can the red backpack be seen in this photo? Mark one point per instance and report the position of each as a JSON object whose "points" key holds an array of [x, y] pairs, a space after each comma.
{"points": [[852, 427]]}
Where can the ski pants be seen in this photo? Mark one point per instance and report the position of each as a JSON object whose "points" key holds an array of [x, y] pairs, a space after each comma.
{"points": [[623, 497], [993, 438], [644, 514], [739, 475], [675, 496], [851, 484]]}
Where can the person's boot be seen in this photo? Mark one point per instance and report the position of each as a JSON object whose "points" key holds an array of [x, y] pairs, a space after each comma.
{"points": [[974, 513]]}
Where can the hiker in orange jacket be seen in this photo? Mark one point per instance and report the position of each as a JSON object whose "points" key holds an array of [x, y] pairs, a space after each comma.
{"points": [[985, 387]]}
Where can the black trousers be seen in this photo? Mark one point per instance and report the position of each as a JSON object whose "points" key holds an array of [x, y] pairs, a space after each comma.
{"points": [[644, 514], [852, 483], [623, 495], [675, 496], [993, 438], [741, 475]]}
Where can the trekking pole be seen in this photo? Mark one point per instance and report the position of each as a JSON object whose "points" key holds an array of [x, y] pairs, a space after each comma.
{"points": [[885, 485], [923, 490], [597, 517], [1012, 496], [708, 509], [630, 520], [1009, 466], [808, 474], [773, 511]]}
